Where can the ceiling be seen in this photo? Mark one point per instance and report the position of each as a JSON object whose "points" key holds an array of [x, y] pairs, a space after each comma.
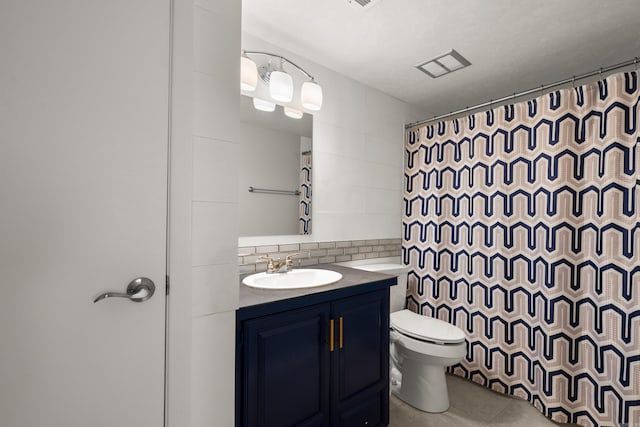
{"points": [[513, 45]]}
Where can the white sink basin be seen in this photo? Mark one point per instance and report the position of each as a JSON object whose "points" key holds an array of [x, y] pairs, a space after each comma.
{"points": [[294, 279]]}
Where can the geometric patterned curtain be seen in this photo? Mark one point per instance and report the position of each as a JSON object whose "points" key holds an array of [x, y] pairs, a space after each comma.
{"points": [[304, 207], [521, 226]]}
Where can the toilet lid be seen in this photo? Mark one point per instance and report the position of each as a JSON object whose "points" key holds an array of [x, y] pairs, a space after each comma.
{"points": [[425, 328]]}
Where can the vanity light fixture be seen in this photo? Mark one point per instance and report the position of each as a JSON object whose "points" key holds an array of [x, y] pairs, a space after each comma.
{"points": [[263, 105], [311, 95], [293, 113], [280, 82], [248, 74], [281, 85]]}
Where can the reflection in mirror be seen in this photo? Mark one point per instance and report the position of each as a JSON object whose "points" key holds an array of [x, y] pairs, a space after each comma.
{"points": [[275, 172]]}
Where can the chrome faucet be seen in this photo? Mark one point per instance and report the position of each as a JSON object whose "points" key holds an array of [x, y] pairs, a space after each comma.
{"points": [[278, 265]]}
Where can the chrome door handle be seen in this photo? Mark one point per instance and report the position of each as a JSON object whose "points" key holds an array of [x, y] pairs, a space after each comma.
{"points": [[139, 290]]}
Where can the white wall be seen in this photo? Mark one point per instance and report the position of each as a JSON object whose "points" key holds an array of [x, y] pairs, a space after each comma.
{"points": [[268, 158], [358, 150], [214, 208]]}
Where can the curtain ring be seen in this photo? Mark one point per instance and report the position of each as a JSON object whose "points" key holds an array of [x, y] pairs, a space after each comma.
{"points": [[573, 82]]}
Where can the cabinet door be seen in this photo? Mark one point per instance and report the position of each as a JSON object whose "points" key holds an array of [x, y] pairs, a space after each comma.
{"points": [[286, 369], [360, 370]]}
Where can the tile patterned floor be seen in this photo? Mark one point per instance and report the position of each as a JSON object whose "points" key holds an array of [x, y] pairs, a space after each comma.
{"points": [[470, 406]]}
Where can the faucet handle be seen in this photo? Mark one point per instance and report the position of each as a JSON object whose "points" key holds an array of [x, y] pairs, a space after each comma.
{"points": [[289, 260], [268, 260], [290, 256]]}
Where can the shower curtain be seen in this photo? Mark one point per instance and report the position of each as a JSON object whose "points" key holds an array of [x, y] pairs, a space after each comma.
{"points": [[521, 227], [304, 206]]}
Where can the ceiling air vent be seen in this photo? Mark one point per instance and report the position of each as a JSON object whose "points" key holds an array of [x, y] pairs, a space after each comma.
{"points": [[444, 64], [363, 4]]}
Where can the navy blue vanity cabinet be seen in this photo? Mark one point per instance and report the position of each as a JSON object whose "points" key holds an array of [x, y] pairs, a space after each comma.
{"points": [[360, 377], [286, 369], [324, 364]]}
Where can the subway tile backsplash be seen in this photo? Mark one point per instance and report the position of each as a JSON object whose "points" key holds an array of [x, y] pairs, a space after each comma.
{"points": [[317, 252]]}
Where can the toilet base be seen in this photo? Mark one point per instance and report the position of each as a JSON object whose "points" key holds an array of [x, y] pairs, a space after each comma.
{"points": [[423, 386]]}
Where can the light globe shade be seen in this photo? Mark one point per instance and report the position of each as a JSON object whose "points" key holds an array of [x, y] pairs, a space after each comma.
{"points": [[262, 105], [311, 96], [293, 113], [281, 86], [248, 74]]}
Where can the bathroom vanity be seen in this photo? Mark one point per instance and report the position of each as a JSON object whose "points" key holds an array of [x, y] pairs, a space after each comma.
{"points": [[315, 356]]}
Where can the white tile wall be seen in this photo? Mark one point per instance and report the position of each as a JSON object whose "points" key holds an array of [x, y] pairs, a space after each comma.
{"points": [[216, 41], [334, 200], [213, 376], [214, 235], [211, 168], [211, 290], [377, 150], [214, 118], [229, 9], [339, 140], [381, 176], [344, 102], [382, 201]]}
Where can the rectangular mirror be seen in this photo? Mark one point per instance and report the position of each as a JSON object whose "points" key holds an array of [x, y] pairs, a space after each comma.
{"points": [[275, 172]]}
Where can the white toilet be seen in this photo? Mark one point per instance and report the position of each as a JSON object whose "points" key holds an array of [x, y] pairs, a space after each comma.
{"points": [[421, 347]]}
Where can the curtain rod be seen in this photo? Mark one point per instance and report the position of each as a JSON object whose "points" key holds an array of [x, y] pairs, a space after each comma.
{"points": [[633, 61]]}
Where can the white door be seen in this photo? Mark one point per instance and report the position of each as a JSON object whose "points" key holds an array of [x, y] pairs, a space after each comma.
{"points": [[83, 176]]}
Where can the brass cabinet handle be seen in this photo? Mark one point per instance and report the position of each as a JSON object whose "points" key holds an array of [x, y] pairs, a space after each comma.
{"points": [[340, 336], [331, 338]]}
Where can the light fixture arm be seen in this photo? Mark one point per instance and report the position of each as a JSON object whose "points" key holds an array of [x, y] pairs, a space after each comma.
{"points": [[282, 58]]}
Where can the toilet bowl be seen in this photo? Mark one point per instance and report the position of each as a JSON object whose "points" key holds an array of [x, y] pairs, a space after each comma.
{"points": [[421, 347]]}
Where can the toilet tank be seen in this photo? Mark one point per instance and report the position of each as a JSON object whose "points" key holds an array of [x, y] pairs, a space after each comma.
{"points": [[393, 267]]}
